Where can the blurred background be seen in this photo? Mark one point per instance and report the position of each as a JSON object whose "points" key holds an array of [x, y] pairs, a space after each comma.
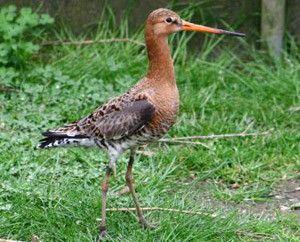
{"points": [[268, 19]]}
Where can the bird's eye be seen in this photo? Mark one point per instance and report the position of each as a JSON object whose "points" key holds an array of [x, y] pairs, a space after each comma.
{"points": [[169, 20]]}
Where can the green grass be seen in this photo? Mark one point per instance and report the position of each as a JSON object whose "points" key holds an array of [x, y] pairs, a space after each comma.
{"points": [[55, 194]]}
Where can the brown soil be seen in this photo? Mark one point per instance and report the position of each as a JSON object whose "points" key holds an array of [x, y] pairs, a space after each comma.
{"points": [[283, 199]]}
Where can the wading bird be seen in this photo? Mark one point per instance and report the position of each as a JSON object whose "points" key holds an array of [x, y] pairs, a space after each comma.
{"points": [[141, 115]]}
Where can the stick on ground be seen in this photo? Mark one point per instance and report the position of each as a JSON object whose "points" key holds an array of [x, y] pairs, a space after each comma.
{"points": [[175, 141], [218, 136], [162, 209], [90, 42]]}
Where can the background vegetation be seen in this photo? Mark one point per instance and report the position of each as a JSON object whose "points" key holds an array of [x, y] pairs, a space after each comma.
{"points": [[55, 194]]}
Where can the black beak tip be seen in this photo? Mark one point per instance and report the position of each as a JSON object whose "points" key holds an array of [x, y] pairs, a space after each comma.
{"points": [[234, 33]]}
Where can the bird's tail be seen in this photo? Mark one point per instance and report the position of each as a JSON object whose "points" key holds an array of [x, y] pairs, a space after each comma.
{"points": [[64, 136]]}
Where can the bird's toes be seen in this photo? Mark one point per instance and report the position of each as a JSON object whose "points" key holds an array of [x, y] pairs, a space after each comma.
{"points": [[147, 225], [103, 235]]}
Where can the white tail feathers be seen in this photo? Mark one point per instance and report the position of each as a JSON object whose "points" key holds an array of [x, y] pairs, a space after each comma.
{"points": [[53, 139]]}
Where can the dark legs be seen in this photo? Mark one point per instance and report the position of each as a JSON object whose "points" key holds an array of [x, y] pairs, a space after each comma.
{"points": [[129, 182], [102, 227], [128, 177]]}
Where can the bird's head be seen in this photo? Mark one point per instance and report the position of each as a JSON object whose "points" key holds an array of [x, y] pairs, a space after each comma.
{"points": [[162, 22]]}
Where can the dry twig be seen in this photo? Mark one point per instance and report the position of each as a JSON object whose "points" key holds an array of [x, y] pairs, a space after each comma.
{"points": [[90, 42], [161, 209], [218, 136], [256, 236], [9, 240], [294, 109], [175, 141]]}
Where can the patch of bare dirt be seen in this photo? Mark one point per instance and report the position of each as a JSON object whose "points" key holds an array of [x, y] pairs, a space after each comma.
{"points": [[286, 199]]}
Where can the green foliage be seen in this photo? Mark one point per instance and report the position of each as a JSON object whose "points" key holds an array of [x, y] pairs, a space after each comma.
{"points": [[18, 30], [7, 75]]}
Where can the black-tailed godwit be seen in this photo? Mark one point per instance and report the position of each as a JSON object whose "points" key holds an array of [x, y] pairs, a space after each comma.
{"points": [[141, 115]]}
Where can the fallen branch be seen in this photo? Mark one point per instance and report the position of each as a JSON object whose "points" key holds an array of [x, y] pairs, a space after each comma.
{"points": [[161, 209], [256, 236], [174, 140], [218, 136], [9, 240], [294, 109], [90, 42]]}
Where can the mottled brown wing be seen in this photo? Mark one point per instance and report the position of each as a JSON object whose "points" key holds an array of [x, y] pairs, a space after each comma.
{"points": [[120, 123]]}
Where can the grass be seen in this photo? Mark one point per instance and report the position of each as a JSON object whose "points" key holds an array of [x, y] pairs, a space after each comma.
{"points": [[55, 194]]}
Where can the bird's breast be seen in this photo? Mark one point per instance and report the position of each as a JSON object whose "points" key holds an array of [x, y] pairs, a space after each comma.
{"points": [[166, 109]]}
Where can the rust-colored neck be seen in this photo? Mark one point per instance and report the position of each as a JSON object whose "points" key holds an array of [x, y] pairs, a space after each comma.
{"points": [[161, 67]]}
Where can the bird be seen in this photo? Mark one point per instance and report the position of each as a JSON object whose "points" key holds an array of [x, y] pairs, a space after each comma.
{"points": [[141, 115]]}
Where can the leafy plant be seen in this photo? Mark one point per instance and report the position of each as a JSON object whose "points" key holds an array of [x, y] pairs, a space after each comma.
{"points": [[17, 31], [7, 75]]}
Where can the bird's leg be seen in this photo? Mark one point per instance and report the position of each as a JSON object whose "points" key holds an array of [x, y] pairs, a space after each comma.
{"points": [[129, 182], [113, 167], [102, 227]]}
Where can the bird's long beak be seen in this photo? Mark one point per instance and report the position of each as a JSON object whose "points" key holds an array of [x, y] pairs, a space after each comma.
{"points": [[187, 26]]}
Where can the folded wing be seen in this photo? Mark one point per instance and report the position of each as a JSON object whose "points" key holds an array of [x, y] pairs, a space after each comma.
{"points": [[118, 124]]}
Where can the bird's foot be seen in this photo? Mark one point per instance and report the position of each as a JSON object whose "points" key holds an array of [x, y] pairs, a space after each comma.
{"points": [[147, 225], [113, 167], [102, 233]]}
